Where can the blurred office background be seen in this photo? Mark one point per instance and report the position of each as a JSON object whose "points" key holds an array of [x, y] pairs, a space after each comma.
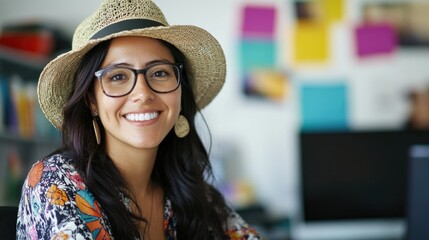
{"points": [[293, 67]]}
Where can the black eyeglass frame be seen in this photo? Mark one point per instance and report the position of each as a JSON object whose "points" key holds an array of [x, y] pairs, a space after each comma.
{"points": [[179, 67]]}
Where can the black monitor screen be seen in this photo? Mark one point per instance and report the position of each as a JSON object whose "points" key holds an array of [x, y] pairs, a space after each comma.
{"points": [[355, 175]]}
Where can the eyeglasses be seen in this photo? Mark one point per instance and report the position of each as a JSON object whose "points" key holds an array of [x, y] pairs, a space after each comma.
{"points": [[119, 81]]}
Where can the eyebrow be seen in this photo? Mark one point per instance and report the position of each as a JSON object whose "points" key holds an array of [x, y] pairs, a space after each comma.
{"points": [[146, 65]]}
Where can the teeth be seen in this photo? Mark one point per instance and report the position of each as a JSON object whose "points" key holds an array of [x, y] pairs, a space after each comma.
{"points": [[141, 116]]}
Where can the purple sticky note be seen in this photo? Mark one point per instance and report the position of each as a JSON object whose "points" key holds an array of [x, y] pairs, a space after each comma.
{"points": [[375, 39], [258, 21]]}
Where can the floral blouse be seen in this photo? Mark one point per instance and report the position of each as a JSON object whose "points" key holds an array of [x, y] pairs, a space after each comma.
{"points": [[56, 204]]}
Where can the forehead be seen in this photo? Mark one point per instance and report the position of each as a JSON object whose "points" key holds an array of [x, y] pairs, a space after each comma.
{"points": [[141, 47]]}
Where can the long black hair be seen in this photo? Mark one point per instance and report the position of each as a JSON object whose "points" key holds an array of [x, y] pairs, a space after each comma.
{"points": [[182, 165]]}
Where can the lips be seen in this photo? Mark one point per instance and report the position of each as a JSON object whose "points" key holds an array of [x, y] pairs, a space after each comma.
{"points": [[139, 117]]}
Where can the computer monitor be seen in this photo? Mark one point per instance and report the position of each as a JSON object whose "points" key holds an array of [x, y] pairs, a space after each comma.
{"points": [[352, 176], [418, 194]]}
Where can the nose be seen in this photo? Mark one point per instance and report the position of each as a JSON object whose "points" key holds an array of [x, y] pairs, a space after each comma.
{"points": [[141, 91]]}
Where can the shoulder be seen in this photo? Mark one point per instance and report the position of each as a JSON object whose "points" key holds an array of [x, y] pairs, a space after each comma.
{"points": [[55, 201], [239, 229], [56, 169]]}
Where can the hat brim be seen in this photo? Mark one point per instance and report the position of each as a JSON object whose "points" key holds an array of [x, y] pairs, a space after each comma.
{"points": [[205, 65]]}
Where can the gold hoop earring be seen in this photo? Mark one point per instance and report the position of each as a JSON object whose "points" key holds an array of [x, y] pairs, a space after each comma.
{"points": [[181, 128], [96, 129]]}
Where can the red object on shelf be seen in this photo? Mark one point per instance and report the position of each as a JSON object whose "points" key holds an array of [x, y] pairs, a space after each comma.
{"points": [[39, 43]]}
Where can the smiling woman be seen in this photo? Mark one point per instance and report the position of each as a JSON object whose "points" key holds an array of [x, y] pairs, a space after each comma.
{"points": [[132, 165]]}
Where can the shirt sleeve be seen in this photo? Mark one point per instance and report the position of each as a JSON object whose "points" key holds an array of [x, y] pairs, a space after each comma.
{"points": [[55, 204], [238, 229]]}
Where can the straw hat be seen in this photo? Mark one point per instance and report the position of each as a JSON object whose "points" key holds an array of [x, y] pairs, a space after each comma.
{"points": [[205, 60]]}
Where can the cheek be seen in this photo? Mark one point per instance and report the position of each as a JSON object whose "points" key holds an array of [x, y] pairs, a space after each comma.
{"points": [[178, 101], [105, 105], [173, 102]]}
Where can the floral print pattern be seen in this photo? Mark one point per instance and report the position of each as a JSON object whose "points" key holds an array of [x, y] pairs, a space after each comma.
{"points": [[239, 230], [56, 196], [56, 204], [90, 211]]}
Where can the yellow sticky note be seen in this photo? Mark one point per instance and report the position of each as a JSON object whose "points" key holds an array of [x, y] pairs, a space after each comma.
{"points": [[333, 10], [311, 42]]}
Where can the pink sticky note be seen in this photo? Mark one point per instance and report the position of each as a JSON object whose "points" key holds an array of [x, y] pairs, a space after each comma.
{"points": [[258, 21], [375, 39]]}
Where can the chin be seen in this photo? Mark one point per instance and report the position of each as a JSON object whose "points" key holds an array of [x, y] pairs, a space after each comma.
{"points": [[144, 145]]}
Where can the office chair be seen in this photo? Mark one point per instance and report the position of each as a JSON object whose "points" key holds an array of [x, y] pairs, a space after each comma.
{"points": [[8, 217]]}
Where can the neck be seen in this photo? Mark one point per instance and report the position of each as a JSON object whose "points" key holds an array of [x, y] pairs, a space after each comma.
{"points": [[136, 166]]}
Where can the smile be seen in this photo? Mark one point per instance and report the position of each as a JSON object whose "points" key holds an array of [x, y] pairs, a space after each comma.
{"points": [[141, 116]]}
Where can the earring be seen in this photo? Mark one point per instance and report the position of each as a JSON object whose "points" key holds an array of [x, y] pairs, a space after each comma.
{"points": [[96, 129], [181, 128]]}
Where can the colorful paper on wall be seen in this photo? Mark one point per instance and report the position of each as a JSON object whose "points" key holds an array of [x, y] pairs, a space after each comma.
{"points": [[259, 54], [311, 42], [323, 106], [321, 11], [267, 83], [258, 21], [409, 19], [308, 11], [333, 10], [258, 59], [375, 39]]}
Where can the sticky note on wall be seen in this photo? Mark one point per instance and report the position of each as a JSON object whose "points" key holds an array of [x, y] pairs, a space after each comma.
{"points": [[323, 106], [259, 54], [311, 42], [333, 10], [375, 39], [258, 21], [266, 83]]}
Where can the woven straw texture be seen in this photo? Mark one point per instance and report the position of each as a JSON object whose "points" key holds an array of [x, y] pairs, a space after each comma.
{"points": [[205, 60]]}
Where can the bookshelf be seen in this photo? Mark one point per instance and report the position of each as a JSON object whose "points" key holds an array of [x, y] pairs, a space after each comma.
{"points": [[25, 135]]}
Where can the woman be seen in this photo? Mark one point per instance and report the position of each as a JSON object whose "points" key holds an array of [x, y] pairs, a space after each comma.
{"points": [[132, 165]]}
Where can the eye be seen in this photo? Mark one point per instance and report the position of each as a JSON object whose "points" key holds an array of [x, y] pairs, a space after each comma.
{"points": [[160, 74], [117, 77]]}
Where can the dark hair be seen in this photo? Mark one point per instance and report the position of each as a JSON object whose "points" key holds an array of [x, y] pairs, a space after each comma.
{"points": [[182, 165]]}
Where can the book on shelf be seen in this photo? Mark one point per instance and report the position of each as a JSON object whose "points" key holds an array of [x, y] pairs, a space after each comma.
{"points": [[25, 48], [21, 112], [2, 102], [23, 103], [7, 110]]}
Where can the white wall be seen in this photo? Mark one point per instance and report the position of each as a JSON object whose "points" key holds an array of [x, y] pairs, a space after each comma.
{"points": [[264, 133]]}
